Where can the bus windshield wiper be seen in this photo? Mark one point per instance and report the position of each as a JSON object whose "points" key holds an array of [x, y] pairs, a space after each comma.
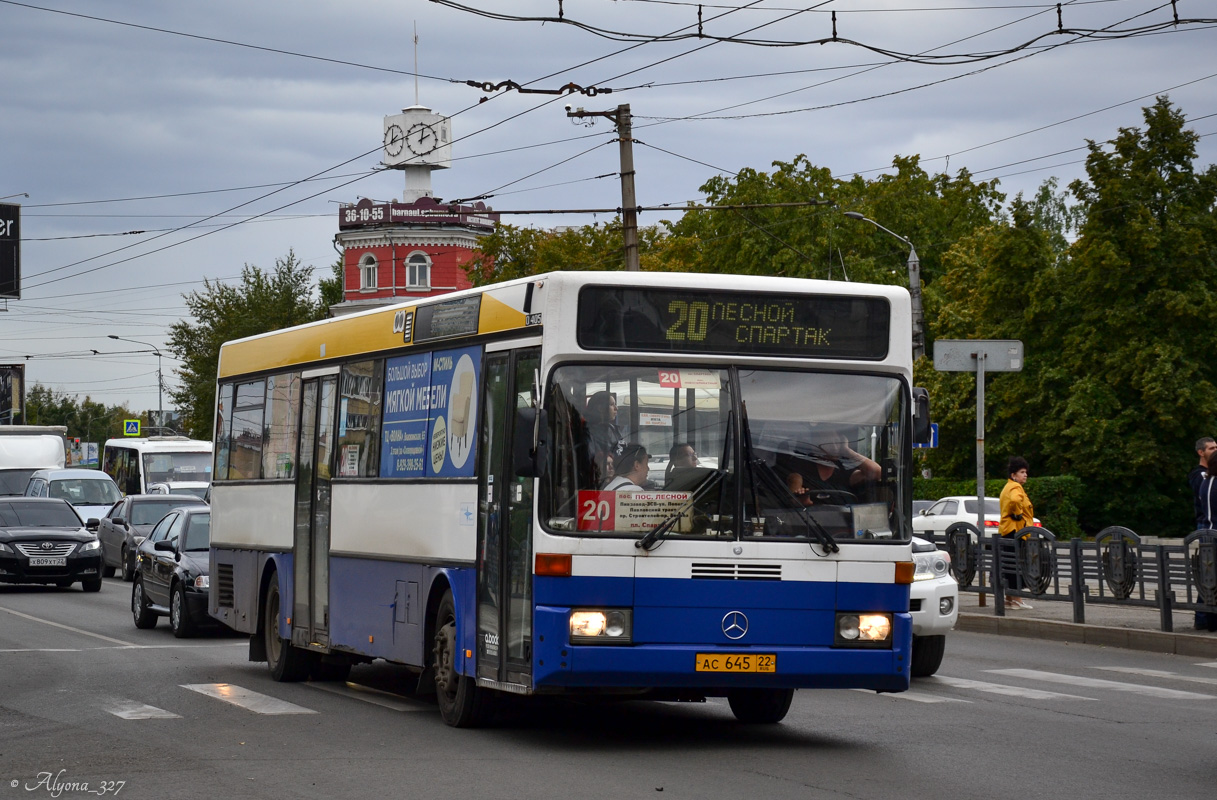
{"points": [[654, 535]]}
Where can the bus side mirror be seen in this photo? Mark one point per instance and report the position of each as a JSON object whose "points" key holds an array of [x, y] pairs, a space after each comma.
{"points": [[921, 415], [530, 448]]}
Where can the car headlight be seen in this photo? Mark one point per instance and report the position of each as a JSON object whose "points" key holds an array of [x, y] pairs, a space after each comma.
{"points": [[931, 565], [89, 546], [601, 626], [4, 548], [863, 630], [202, 582]]}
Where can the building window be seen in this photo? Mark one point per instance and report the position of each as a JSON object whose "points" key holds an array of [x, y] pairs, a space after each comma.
{"points": [[367, 271], [418, 271]]}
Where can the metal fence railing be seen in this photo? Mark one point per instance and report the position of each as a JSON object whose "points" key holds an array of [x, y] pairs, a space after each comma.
{"points": [[1117, 568]]}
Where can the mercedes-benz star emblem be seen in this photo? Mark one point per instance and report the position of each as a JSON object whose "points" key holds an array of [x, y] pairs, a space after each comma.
{"points": [[735, 625], [47, 545]]}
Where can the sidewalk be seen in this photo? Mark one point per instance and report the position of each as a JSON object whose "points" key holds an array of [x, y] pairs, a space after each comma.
{"points": [[1134, 628]]}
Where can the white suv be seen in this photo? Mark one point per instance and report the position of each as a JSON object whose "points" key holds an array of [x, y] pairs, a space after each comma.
{"points": [[934, 605]]}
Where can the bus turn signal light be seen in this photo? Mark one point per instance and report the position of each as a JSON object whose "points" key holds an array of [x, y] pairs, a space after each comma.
{"points": [[905, 570], [554, 565]]}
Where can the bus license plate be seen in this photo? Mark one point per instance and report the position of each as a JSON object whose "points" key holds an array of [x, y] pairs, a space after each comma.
{"points": [[737, 662], [46, 561]]}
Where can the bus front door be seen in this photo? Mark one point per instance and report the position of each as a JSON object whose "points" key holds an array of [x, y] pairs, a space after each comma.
{"points": [[504, 576], [315, 459]]}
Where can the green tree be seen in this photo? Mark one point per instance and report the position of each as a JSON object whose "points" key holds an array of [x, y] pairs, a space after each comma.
{"points": [[86, 419], [262, 301], [1135, 375], [331, 289]]}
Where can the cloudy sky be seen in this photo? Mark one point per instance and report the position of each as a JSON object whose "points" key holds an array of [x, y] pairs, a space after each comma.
{"points": [[164, 143]]}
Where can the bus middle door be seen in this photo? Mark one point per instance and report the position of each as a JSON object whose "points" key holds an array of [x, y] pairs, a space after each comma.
{"points": [[311, 609], [504, 576]]}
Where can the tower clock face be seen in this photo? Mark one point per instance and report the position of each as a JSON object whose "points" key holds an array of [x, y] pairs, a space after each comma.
{"points": [[395, 140], [421, 139]]}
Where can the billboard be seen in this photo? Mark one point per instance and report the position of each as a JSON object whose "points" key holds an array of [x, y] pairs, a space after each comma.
{"points": [[12, 394], [10, 251]]}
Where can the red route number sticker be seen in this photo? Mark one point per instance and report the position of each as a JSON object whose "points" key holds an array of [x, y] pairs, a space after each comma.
{"points": [[597, 510]]}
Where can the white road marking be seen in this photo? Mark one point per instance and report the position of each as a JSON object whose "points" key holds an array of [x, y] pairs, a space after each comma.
{"points": [[122, 647], [1208, 664], [247, 699], [131, 709], [1099, 683], [66, 627], [1161, 673], [1007, 691], [374, 696], [916, 697]]}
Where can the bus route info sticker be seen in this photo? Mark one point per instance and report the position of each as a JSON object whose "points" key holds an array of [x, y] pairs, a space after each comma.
{"points": [[631, 511], [689, 378]]}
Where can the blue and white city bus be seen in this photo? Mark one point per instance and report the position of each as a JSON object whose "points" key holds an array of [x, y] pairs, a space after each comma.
{"points": [[456, 484]]}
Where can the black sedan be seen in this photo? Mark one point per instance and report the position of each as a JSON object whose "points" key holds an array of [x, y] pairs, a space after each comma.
{"points": [[42, 540], [129, 523], [171, 571]]}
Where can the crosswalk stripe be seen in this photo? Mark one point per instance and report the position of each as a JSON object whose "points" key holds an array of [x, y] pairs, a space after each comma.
{"points": [[1099, 683], [1161, 673], [1007, 691], [132, 709], [1208, 664], [247, 699], [916, 697], [374, 696]]}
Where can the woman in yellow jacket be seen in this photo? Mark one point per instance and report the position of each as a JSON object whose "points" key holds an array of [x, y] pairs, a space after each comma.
{"points": [[1016, 514]]}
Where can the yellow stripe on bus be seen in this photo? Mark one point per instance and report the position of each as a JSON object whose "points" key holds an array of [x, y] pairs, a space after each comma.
{"points": [[336, 338], [497, 316]]}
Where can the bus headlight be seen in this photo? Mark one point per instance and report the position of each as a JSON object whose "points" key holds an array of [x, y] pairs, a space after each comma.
{"points": [[864, 630], [601, 626]]}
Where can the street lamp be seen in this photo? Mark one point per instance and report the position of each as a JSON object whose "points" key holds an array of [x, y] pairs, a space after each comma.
{"points": [[160, 408], [914, 284]]}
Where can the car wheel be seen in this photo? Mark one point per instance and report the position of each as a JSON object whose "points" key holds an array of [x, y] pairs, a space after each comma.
{"points": [[461, 703], [760, 706], [107, 571], [927, 655], [287, 663], [91, 584], [144, 617], [128, 566], [179, 613]]}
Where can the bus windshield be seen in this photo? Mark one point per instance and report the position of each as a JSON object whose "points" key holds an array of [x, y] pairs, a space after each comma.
{"points": [[168, 467], [725, 453]]}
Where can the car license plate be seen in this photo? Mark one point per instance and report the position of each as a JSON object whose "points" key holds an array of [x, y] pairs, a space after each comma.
{"points": [[737, 662], [47, 561]]}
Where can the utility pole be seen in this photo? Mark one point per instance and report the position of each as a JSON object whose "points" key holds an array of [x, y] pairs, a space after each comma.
{"points": [[629, 202]]}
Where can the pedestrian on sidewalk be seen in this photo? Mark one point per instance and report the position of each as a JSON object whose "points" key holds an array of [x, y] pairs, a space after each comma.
{"points": [[1203, 481], [1016, 514]]}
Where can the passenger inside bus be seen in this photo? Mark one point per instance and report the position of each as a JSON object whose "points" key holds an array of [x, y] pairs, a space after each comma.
{"points": [[602, 429], [631, 469]]}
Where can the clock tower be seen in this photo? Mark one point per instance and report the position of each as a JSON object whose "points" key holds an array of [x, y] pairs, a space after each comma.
{"points": [[416, 247], [416, 142]]}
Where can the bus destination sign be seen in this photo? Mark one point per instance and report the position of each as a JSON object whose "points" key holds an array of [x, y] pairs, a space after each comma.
{"points": [[820, 326]]}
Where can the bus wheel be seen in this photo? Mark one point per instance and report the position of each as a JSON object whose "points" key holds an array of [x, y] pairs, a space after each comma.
{"points": [[286, 663], [461, 703], [927, 655], [760, 706]]}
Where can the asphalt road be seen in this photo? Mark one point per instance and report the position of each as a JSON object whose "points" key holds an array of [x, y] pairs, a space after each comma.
{"points": [[85, 697]]}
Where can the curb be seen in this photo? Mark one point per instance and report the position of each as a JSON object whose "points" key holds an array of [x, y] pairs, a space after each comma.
{"points": [[1154, 641]]}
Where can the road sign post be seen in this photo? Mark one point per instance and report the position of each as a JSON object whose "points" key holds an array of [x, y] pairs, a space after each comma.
{"points": [[980, 356]]}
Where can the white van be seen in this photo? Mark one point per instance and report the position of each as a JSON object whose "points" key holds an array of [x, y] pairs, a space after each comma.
{"points": [[25, 449], [171, 463]]}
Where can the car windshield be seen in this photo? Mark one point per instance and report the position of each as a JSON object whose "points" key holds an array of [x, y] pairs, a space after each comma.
{"points": [[167, 467], [38, 515], [85, 491], [724, 453], [14, 481], [198, 533], [992, 506], [150, 513]]}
